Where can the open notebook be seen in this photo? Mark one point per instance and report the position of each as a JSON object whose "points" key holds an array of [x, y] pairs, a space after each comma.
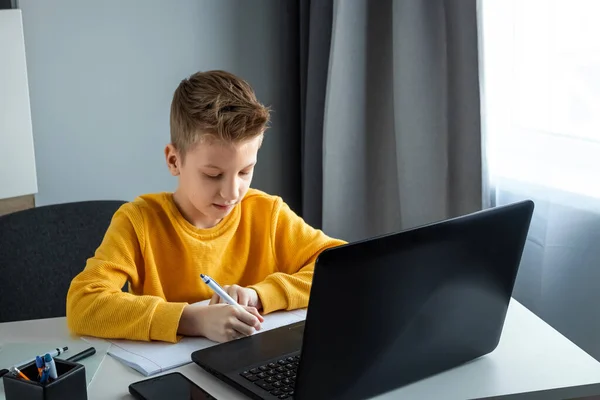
{"points": [[150, 358]]}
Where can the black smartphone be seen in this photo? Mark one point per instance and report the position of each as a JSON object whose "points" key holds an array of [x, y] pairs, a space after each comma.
{"points": [[173, 386]]}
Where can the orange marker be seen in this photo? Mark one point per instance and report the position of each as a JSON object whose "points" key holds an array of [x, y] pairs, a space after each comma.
{"points": [[22, 375]]}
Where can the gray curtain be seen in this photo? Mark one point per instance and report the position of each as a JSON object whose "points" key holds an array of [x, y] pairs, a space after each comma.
{"points": [[391, 114], [316, 20]]}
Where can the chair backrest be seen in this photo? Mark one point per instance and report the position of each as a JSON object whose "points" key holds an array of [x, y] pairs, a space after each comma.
{"points": [[42, 249]]}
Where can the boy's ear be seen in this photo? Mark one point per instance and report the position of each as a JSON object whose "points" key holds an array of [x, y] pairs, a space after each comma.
{"points": [[173, 159]]}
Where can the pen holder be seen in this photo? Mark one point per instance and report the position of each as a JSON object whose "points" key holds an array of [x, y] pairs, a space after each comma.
{"points": [[70, 383]]}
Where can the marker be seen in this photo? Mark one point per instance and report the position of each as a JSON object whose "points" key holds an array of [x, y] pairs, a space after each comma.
{"points": [[218, 289], [49, 361], [39, 363], [84, 354], [22, 375], [45, 374]]}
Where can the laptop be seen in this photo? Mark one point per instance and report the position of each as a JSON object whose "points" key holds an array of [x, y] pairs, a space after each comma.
{"points": [[387, 311]]}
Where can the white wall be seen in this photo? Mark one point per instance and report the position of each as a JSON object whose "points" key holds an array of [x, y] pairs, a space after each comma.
{"points": [[17, 162], [102, 74]]}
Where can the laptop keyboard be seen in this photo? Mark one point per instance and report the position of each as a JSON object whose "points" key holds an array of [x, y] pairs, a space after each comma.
{"points": [[277, 377]]}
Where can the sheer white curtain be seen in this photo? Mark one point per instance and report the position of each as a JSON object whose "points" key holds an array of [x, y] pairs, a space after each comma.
{"points": [[541, 115]]}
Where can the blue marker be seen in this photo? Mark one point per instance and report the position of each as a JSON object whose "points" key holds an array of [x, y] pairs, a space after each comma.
{"points": [[39, 363], [49, 361], [45, 374]]}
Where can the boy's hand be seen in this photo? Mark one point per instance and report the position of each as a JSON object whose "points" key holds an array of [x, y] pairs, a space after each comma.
{"points": [[244, 296], [219, 322]]}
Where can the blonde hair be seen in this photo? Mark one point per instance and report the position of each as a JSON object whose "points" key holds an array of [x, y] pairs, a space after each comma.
{"points": [[215, 104]]}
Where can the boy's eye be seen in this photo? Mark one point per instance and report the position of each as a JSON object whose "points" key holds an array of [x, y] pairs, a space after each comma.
{"points": [[212, 176]]}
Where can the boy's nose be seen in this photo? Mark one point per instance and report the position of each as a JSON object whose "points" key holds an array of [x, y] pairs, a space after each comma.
{"points": [[229, 192]]}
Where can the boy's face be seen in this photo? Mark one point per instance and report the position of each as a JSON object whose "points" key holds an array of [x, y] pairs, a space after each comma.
{"points": [[213, 178]]}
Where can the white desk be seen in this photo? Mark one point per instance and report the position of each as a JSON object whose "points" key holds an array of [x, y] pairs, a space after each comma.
{"points": [[531, 357]]}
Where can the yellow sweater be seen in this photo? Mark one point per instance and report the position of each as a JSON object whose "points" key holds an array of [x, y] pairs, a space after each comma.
{"points": [[261, 244]]}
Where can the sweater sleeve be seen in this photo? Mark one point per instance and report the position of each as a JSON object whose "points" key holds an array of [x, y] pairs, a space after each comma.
{"points": [[296, 246], [96, 305]]}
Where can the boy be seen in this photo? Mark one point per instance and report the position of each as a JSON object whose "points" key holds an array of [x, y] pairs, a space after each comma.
{"points": [[214, 224]]}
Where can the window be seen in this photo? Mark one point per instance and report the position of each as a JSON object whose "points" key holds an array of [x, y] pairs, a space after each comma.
{"points": [[541, 90]]}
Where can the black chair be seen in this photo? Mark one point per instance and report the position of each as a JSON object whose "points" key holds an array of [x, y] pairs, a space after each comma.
{"points": [[42, 249]]}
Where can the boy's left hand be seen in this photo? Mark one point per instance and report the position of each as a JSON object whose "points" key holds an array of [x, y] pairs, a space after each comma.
{"points": [[244, 296]]}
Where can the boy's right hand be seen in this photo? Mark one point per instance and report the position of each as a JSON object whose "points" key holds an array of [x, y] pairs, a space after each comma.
{"points": [[219, 322]]}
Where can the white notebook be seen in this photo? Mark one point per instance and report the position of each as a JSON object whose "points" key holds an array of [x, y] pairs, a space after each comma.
{"points": [[150, 358]]}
